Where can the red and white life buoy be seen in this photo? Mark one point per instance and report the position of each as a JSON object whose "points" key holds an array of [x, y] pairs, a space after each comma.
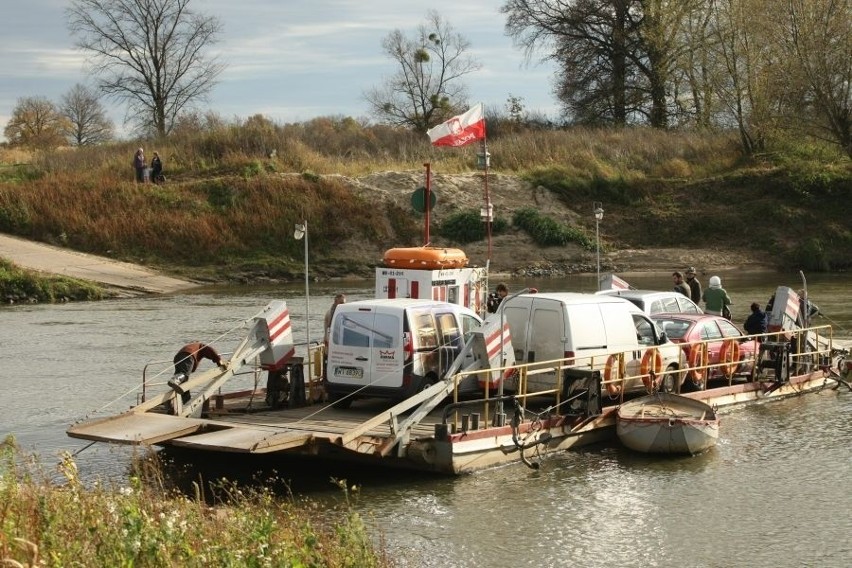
{"points": [[729, 357], [698, 363], [650, 368], [613, 375]]}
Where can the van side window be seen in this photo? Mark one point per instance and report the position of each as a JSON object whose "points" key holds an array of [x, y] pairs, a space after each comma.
{"points": [[425, 334], [450, 334], [469, 324], [644, 331]]}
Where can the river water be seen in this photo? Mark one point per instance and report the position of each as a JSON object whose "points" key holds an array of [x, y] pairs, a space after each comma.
{"points": [[775, 491]]}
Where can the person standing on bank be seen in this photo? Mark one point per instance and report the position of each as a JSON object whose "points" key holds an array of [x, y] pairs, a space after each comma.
{"points": [[139, 165], [338, 299], [494, 299], [156, 168], [680, 285], [186, 362], [755, 324], [694, 285], [716, 299]]}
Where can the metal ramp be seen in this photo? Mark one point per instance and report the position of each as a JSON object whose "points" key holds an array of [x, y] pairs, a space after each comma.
{"points": [[137, 428]]}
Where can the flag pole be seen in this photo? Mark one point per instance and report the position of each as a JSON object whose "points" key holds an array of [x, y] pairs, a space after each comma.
{"points": [[487, 196], [427, 197]]}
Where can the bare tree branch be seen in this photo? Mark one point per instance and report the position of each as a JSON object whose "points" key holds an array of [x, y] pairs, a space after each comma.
{"points": [[148, 53], [426, 88]]}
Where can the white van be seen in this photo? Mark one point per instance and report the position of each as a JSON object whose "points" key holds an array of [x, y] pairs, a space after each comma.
{"points": [[393, 348], [585, 328]]}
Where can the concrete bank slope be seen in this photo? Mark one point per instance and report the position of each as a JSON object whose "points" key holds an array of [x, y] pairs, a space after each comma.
{"points": [[125, 278]]}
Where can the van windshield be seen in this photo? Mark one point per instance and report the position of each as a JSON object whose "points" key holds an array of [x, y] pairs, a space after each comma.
{"points": [[366, 329]]}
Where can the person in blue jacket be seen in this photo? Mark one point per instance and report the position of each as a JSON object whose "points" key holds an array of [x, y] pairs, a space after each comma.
{"points": [[755, 323]]}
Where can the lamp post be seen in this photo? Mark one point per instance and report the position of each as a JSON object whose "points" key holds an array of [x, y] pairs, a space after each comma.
{"points": [[598, 210], [300, 231]]}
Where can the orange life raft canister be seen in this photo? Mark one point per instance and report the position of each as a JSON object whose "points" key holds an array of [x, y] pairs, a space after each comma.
{"points": [[426, 258]]}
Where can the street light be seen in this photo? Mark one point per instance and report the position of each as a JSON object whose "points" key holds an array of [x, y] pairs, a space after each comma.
{"points": [[300, 231], [598, 210]]}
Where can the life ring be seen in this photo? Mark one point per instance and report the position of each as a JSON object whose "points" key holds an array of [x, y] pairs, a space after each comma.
{"points": [[729, 356], [425, 258], [697, 363], [613, 387], [651, 367]]}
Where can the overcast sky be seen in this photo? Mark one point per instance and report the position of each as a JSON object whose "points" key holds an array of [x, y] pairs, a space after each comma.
{"points": [[291, 60]]}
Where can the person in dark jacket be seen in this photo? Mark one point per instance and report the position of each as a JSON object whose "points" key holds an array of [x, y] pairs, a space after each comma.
{"points": [[186, 362], [139, 165], [756, 322], [494, 298], [680, 285], [156, 168], [694, 285]]}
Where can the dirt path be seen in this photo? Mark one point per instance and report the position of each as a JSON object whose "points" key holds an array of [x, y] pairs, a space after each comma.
{"points": [[123, 278]]}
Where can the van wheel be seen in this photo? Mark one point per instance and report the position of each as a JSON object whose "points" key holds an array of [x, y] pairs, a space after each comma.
{"points": [[670, 380]]}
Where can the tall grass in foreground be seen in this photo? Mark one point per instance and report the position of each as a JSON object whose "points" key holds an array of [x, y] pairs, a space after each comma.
{"points": [[143, 524]]}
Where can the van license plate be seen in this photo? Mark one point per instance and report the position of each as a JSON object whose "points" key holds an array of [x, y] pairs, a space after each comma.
{"points": [[349, 372]]}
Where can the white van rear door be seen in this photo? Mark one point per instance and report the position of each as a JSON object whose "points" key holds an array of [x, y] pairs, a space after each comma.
{"points": [[366, 348], [545, 337]]}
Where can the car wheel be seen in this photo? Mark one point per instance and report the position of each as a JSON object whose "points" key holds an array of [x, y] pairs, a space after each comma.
{"points": [[671, 380]]}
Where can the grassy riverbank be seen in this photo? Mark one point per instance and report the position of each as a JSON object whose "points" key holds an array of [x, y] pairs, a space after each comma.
{"points": [[234, 193], [144, 524], [19, 285]]}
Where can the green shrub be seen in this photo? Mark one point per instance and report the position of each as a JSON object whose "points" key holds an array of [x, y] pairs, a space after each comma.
{"points": [[221, 195], [547, 232], [466, 227], [252, 169], [810, 254], [15, 215]]}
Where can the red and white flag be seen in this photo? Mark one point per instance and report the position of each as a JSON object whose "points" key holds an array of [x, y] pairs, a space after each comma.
{"points": [[459, 130]]}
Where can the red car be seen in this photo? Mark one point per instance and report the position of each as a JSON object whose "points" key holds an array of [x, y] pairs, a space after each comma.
{"points": [[725, 342]]}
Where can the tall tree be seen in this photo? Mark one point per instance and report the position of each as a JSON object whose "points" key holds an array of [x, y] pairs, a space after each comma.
{"points": [[87, 122], [818, 44], [426, 88], [615, 58], [591, 43], [148, 53], [35, 123]]}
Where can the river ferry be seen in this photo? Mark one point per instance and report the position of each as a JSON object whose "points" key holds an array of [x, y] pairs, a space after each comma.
{"points": [[477, 416]]}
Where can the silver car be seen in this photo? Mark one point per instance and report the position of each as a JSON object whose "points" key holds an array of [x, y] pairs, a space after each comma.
{"points": [[655, 302]]}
